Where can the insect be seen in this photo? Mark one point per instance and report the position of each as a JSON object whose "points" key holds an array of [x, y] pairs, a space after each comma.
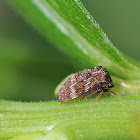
{"points": [[85, 83]]}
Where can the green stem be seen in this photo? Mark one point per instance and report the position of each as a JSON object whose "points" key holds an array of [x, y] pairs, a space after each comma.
{"points": [[125, 86], [55, 120]]}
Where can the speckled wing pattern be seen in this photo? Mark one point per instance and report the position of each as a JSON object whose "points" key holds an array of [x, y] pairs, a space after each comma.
{"points": [[85, 83]]}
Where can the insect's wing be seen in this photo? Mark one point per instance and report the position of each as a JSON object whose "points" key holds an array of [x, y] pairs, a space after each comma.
{"points": [[68, 91], [79, 85]]}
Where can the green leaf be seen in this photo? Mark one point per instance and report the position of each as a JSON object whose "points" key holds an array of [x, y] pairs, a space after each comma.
{"points": [[67, 24], [72, 29]]}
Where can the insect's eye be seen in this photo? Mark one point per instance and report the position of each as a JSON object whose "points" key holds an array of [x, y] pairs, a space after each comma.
{"points": [[104, 86], [110, 84]]}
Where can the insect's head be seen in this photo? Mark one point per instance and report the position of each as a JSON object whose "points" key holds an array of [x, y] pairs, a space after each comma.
{"points": [[107, 81], [110, 84], [107, 84]]}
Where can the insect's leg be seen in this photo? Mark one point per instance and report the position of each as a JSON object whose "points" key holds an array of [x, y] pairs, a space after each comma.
{"points": [[100, 94], [114, 93]]}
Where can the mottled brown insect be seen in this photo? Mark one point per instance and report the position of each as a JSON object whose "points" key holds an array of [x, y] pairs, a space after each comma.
{"points": [[85, 83]]}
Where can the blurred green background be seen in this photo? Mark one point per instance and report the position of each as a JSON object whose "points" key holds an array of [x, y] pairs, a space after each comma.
{"points": [[31, 66]]}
